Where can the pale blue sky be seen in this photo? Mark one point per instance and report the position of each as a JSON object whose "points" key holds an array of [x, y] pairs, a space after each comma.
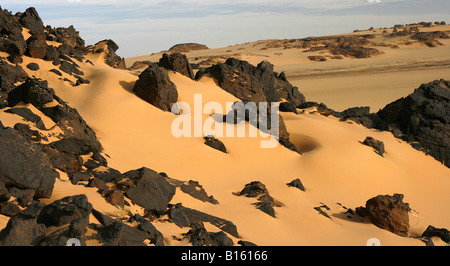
{"points": [[146, 26]]}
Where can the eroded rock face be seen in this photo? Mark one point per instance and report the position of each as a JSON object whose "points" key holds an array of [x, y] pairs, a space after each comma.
{"points": [[389, 213], [154, 86], [424, 117]]}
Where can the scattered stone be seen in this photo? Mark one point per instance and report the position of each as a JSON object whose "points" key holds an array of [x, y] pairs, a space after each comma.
{"points": [[215, 143], [389, 213], [322, 212], [57, 72], [376, 144], [297, 184], [33, 66], [257, 189]]}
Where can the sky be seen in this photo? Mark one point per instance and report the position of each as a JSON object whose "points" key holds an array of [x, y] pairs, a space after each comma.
{"points": [[142, 27]]}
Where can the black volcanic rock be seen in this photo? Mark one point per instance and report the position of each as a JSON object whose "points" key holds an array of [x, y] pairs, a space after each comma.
{"points": [[215, 144], [234, 77], [65, 211], [23, 164], [297, 184], [256, 84], [23, 229], [258, 190], [376, 144], [148, 189], [12, 73], [154, 86], [442, 233], [30, 19], [424, 117], [33, 66], [31, 91], [176, 62]]}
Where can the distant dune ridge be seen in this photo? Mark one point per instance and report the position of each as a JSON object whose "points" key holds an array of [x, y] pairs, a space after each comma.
{"points": [[87, 152]]}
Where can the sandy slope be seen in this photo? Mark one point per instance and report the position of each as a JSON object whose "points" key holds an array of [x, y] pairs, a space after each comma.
{"points": [[335, 167]]}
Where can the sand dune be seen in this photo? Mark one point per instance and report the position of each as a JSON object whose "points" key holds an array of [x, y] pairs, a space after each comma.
{"points": [[335, 167], [337, 170]]}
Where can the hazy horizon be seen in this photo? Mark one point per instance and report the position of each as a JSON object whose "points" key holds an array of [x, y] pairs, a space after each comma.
{"points": [[143, 27]]}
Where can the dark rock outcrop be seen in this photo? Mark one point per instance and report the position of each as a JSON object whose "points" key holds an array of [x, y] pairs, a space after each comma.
{"points": [[424, 117], [389, 213], [154, 86], [176, 62]]}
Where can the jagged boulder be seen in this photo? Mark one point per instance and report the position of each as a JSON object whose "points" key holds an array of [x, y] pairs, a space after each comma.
{"points": [[30, 19], [154, 86], [148, 189], [65, 211], [176, 62], [36, 46], [23, 229], [389, 213]]}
